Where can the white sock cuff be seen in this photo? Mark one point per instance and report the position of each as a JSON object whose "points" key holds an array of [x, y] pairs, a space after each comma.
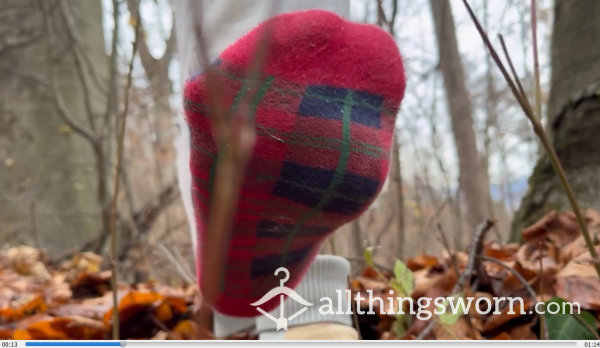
{"points": [[327, 277], [224, 325]]}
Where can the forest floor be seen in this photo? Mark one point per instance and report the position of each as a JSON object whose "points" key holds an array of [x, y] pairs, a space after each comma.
{"points": [[74, 300]]}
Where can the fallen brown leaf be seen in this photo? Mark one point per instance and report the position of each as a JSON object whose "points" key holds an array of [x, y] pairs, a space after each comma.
{"points": [[502, 336], [91, 284], [500, 252], [460, 329], [578, 282], [522, 332], [496, 320], [26, 261], [33, 303], [132, 303], [421, 261]]}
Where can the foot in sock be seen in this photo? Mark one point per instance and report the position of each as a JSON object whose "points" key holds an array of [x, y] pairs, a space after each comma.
{"points": [[325, 113]]}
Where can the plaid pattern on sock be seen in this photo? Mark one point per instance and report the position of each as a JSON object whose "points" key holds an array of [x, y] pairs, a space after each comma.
{"points": [[320, 159]]}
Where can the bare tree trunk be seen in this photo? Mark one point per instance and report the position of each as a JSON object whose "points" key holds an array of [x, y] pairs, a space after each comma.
{"points": [[573, 116], [44, 160], [396, 176], [472, 179], [357, 238], [161, 86]]}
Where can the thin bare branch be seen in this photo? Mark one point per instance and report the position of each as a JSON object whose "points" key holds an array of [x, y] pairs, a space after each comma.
{"points": [[68, 18], [392, 21], [78, 45], [235, 136], [112, 100], [446, 245], [181, 268], [536, 62], [520, 279], [544, 335], [10, 44], [379, 235], [466, 274], [512, 67], [113, 216]]}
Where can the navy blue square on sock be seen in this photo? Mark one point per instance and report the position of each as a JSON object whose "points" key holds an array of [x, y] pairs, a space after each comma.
{"points": [[302, 184], [358, 189], [266, 266], [323, 101], [366, 109]]}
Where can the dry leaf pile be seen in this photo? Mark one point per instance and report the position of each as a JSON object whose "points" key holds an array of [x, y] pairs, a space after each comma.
{"points": [[74, 300], [553, 260]]}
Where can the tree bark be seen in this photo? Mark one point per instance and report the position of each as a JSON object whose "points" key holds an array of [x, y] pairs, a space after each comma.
{"points": [[472, 178], [573, 115], [43, 160], [357, 238], [396, 176], [161, 87]]}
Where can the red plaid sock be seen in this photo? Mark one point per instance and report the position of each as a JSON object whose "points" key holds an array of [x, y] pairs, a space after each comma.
{"points": [[325, 113]]}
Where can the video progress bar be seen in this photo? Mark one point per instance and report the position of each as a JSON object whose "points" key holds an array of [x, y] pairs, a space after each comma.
{"points": [[72, 344], [306, 344]]}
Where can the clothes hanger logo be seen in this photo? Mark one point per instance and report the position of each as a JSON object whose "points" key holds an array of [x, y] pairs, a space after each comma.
{"points": [[281, 290]]}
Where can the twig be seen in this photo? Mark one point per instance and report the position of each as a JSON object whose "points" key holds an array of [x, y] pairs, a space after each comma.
{"points": [[71, 32], [78, 43], [433, 217], [111, 100], [481, 230], [523, 281], [456, 271], [511, 66], [514, 272], [447, 247], [156, 321], [477, 267], [475, 249], [332, 245], [381, 18], [235, 136], [536, 62], [538, 129], [392, 21], [544, 328], [113, 215], [181, 269]]}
